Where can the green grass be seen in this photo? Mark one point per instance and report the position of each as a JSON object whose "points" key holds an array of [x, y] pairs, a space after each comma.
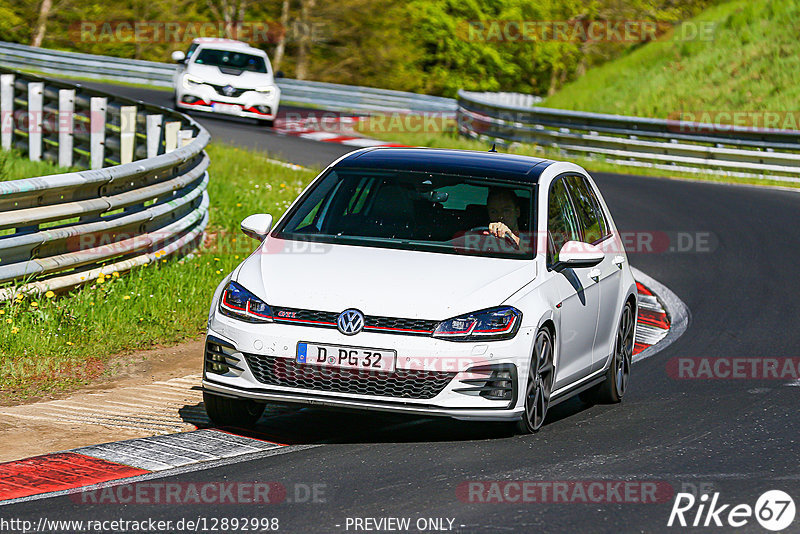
{"points": [[449, 139], [752, 63], [58, 343], [14, 166]]}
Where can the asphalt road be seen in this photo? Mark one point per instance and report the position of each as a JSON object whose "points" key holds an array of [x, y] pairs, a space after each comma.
{"points": [[739, 437]]}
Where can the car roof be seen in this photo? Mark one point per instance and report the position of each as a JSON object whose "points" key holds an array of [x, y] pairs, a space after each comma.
{"points": [[227, 44], [493, 165], [220, 40]]}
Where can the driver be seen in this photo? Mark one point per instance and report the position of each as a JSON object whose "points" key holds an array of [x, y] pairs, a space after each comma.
{"points": [[503, 207]]}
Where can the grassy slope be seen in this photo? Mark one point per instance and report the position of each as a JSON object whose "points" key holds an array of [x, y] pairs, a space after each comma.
{"points": [[59, 342], [752, 63], [14, 166]]}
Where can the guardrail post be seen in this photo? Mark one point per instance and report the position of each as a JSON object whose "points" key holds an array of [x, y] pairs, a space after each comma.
{"points": [[171, 136], [66, 118], [127, 133], [154, 126], [184, 137], [97, 126], [6, 110], [35, 102]]}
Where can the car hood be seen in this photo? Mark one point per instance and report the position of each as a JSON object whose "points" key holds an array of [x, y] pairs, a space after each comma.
{"points": [[380, 281], [246, 79]]}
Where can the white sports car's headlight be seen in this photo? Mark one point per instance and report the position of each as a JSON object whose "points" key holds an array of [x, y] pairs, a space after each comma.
{"points": [[485, 325], [266, 90], [190, 81], [239, 303]]}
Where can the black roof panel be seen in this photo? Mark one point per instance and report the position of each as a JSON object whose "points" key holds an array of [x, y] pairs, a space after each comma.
{"points": [[494, 165]]}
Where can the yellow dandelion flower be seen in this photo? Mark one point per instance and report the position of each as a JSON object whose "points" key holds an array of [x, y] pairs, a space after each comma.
{"points": [[14, 330], [163, 261], [70, 343], [49, 294], [126, 297], [236, 257], [283, 185], [101, 280], [34, 304], [233, 240], [115, 274], [2, 312], [238, 204], [19, 296], [216, 259], [9, 321], [218, 272]]}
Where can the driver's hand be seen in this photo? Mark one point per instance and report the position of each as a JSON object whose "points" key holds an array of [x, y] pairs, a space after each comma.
{"points": [[500, 230]]}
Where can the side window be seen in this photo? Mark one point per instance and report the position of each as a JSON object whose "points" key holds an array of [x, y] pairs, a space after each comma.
{"points": [[562, 224], [191, 50], [590, 214]]}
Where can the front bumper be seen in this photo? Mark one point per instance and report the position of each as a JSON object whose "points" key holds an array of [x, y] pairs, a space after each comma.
{"points": [[250, 104], [415, 354]]}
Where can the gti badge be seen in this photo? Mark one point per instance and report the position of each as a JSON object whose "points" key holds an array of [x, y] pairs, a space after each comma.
{"points": [[228, 90], [350, 322]]}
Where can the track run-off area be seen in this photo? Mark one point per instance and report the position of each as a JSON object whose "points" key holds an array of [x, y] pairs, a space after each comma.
{"points": [[686, 425]]}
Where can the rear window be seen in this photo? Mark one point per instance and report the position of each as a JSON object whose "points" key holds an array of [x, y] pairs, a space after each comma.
{"points": [[230, 59]]}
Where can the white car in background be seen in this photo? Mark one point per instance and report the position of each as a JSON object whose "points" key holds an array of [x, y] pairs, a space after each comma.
{"points": [[226, 76], [474, 285]]}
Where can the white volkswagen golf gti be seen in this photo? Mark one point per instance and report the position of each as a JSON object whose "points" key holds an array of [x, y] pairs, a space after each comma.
{"points": [[475, 285], [226, 76]]}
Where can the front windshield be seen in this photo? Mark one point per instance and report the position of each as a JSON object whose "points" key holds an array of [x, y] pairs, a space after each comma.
{"points": [[416, 211], [229, 59]]}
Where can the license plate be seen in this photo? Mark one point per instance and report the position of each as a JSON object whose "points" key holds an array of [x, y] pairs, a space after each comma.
{"points": [[348, 357], [232, 109]]}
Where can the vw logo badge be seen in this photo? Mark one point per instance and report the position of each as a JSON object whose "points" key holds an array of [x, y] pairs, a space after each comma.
{"points": [[350, 322], [228, 90]]}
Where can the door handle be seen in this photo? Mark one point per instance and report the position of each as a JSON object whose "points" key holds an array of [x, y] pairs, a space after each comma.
{"points": [[619, 260], [594, 274]]}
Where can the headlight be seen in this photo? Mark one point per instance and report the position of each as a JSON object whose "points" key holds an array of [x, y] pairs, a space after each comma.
{"points": [[485, 325], [266, 90], [191, 81], [239, 303]]}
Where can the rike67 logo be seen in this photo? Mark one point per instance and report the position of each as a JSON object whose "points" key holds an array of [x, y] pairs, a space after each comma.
{"points": [[774, 510]]}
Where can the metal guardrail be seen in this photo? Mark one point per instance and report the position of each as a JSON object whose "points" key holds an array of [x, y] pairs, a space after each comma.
{"points": [[143, 198], [658, 143], [330, 96]]}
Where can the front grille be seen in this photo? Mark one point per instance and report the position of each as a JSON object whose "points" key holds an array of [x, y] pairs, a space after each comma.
{"points": [[398, 384], [237, 92], [421, 327]]}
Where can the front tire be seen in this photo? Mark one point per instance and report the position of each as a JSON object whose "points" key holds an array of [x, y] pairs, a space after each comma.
{"points": [[225, 411], [539, 384]]}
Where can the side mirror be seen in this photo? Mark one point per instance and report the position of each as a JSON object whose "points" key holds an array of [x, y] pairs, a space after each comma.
{"points": [[279, 74], [577, 254], [257, 226], [178, 56]]}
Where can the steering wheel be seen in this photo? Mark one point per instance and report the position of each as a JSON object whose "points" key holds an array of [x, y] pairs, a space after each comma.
{"points": [[507, 235]]}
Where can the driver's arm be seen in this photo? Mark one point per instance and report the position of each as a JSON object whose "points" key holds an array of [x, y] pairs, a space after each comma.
{"points": [[500, 230]]}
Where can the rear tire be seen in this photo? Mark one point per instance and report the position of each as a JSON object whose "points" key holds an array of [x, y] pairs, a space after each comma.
{"points": [[613, 388], [225, 411]]}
